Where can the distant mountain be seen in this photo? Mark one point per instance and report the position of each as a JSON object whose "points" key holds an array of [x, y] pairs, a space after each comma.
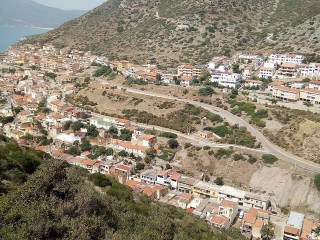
{"points": [[29, 13], [173, 31]]}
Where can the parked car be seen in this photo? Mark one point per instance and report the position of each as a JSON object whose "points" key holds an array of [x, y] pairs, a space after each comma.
{"points": [[241, 214]]}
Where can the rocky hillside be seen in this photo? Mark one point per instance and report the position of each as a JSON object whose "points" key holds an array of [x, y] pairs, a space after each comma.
{"points": [[185, 30]]}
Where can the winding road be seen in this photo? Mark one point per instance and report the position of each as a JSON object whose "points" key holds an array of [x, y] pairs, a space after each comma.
{"points": [[265, 143]]}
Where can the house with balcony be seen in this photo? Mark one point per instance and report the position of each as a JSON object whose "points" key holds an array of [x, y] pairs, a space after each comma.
{"points": [[266, 72], [310, 70], [286, 58], [186, 184], [226, 79], [231, 194], [149, 176], [253, 83], [286, 94], [186, 81], [314, 85], [258, 201], [206, 190], [254, 220], [310, 95], [287, 70]]}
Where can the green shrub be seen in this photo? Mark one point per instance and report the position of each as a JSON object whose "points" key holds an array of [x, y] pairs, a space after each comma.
{"points": [[211, 152], [269, 158], [168, 135], [100, 180], [187, 145], [238, 157], [219, 181], [252, 159], [207, 91], [206, 148], [317, 181], [173, 144]]}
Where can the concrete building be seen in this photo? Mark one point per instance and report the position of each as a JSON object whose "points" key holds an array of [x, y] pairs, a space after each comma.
{"points": [[286, 58], [310, 95], [293, 228], [226, 79], [286, 94]]}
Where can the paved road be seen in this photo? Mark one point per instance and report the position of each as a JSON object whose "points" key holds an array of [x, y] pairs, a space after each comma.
{"points": [[265, 143]]}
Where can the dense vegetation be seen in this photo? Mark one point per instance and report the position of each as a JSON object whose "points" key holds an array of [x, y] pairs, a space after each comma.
{"points": [[59, 202]]}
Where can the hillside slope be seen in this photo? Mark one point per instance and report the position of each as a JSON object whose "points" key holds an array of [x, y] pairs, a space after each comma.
{"points": [[182, 30], [58, 201], [29, 13]]}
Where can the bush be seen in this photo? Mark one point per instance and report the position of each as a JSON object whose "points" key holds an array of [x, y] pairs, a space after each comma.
{"points": [[100, 180], [252, 159], [207, 91], [168, 135], [269, 158], [223, 152], [140, 166], [173, 144], [238, 157], [187, 145], [211, 152], [219, 181], [317, 181], [206, 148], [123, 153]]}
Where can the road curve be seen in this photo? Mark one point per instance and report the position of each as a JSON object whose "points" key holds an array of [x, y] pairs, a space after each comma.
{"points": [[265, 143]]}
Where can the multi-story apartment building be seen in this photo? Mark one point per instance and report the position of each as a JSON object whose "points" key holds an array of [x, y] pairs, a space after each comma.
{"points": [[310, 95], [288, 70], [190, 70], [266, 72], [286, 94], [314, 85], [310, 70], [226, 79], [286, 58]]}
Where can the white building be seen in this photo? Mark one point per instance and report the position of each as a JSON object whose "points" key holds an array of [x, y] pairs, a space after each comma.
{"points": [[266, 72], [311, 70], [286, 58], [253, 83], [314, 85], [226, 79], [149, 176]]}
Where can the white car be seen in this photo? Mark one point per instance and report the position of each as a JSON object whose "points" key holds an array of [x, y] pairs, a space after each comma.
{"points": [[241, 214]]}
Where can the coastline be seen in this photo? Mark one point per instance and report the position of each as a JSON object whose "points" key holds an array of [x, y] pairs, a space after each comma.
{"points": [[26, 26]]}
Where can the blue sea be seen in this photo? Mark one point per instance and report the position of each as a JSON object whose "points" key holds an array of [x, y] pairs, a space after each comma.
{"points": [[10, 35]]}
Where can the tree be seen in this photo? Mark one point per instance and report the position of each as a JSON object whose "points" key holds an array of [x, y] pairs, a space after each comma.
{"points": [[85, 146], [317, 181], [267, 231], [219, 181], [173, 144], [100, 180], [236, 68], [113, 130], [168, 166], [140, 166], [206, 178], [87, 80], [123, 153], [109, 152], [125, 135], [67, 125], [207, 91], [92, 131], [77, 126]]}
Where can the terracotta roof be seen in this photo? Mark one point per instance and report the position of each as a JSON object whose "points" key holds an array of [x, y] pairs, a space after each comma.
{"points": [[259, 223], [289, 65], [88, 162], [292, 230], [276, 83], [250, 218], [157, 187], [123, 167], [315, 82], [149, 191], [164, 172], [186, 78], [226, 203], [176, 176], [122, 120], [186, 196], [219, 220], [310, 90], [189, 210], [287, 89]]}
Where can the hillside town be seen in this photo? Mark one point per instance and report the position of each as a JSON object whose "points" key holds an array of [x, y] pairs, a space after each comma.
{"points": [[37, 80]]}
